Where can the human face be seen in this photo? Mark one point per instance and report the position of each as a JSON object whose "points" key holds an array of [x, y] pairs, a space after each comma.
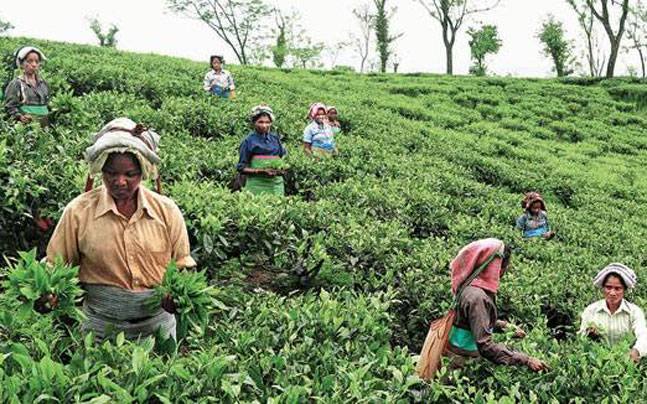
{"points": [[535, 208], [614, 291], [332, 115], [320, 117], [216, 64], [122, 176], [263, 124], [31, 63]]}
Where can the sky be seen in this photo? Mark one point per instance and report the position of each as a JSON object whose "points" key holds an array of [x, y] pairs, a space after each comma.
{"points": [[147, 26]]}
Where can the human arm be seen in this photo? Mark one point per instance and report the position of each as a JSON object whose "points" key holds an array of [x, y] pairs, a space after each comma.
{"points": [[206, 85], [640, 332], [13, 101], [502, 325], [521, 222], [64, 240], [230, 82]]}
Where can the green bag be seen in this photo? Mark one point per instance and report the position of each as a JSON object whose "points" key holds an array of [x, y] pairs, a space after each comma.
{"points": [[38, 110], [258, 184]]}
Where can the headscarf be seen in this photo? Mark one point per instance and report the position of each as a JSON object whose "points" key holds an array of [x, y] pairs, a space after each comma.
{"points": [[22, 53], [312, 112], [530, 198], [623, 271], [262, 109], [474, 255], [122, 135]]}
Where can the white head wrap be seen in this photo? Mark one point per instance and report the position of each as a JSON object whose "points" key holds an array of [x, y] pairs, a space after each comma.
{"points": [[26, 50], [623, 271], [122, 135], [260, 110]]}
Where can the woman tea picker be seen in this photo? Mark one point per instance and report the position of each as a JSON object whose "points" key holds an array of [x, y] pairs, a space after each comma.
{"points": [[614, 318], [476, 272], [534, 221], [122, 235], [261, 153], [318, 136], [218, 81], [26, 96]]}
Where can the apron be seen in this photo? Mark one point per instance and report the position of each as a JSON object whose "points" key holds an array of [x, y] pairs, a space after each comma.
{"points": [[220, 91], [259, 184], [110, 310]]}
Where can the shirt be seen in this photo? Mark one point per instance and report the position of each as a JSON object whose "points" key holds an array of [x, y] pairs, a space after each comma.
{"points": [[628, 319], [112, 250], [19, 92], [533, 226], [320, 136], [477, 313], [222, 79], [256, 144]]}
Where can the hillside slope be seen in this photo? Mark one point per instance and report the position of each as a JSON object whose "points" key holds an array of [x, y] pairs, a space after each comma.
{"points": [[428, 163]]}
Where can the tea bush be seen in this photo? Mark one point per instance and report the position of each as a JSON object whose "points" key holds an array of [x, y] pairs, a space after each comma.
{"points": [[327, 294]]}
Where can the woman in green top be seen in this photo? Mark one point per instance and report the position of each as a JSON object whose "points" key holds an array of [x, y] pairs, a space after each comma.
{"points": [[261, 155], [26, 96]]}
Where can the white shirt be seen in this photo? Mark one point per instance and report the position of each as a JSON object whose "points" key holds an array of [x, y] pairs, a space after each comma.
{"points": [[223, 79], [629, 318]]}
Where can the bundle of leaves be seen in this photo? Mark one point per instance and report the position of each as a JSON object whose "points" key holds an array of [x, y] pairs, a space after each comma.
{"points": [[31, 284], [193, 298]]}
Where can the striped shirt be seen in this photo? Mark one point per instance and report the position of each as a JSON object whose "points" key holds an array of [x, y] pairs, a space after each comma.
{"points": [[628, 319], [223, 80]]}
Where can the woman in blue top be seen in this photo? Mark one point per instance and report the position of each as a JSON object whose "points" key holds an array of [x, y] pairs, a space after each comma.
{"points": [[318, 136], [534, 221], [261, 153]]}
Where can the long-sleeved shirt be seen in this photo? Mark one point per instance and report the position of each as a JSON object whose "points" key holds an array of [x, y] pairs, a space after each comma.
{"points": [[533, 226], [20, 92], [628, 319], [477, 313], [256, 144], [223, 79], [112, 250]]}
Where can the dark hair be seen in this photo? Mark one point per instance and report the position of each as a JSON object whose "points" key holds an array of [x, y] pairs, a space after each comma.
{"points": [[507, 254], [606, 278], [256, 117], [220, 58]]}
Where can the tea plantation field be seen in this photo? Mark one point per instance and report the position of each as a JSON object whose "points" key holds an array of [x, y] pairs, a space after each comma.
{"points": [[326, 295]]}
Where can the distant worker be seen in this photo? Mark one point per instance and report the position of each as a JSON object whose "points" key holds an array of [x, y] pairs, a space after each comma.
{"points": [[534, 221], [476, 272], [333, 120], [27, 96], [261, 154], [318, 136], [613, 318], [218, 81]]}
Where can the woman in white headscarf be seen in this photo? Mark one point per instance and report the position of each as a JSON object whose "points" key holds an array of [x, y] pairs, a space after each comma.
{"points": [[122, 235], [614, 318], [27, 96]]}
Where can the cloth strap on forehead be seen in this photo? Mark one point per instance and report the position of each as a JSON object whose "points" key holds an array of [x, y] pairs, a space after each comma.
{"points": [[136, 131]]}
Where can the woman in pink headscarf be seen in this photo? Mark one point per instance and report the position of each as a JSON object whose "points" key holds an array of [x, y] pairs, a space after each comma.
{"points": [[476, 272]]}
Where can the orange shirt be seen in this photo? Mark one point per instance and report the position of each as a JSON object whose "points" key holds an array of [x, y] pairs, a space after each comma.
{"points": [[112, 250]]}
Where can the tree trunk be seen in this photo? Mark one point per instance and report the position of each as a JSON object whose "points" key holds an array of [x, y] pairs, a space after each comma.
{"points": [[613, 56], [642, 60], [450, 58]]}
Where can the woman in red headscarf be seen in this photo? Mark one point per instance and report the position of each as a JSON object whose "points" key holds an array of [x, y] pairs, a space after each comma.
{"points": [[476, 272]]}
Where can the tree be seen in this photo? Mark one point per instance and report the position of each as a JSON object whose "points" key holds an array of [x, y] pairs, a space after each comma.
{"points": [[281, 48], [482, 42], [556, 46], [307, 53], [451, 14], [382, 34], [333, 51], [5, 26], [594, 57], [605, 15], [637, 34], [107, 39], [362, 42], [240, 23]]}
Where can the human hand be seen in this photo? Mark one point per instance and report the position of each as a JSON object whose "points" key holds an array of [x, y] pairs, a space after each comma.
{"points": [[549, 235], [168, 304], [536, 365], [593, 333], [25, 118], [634, 355], [519, 332], [46, 303]]}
